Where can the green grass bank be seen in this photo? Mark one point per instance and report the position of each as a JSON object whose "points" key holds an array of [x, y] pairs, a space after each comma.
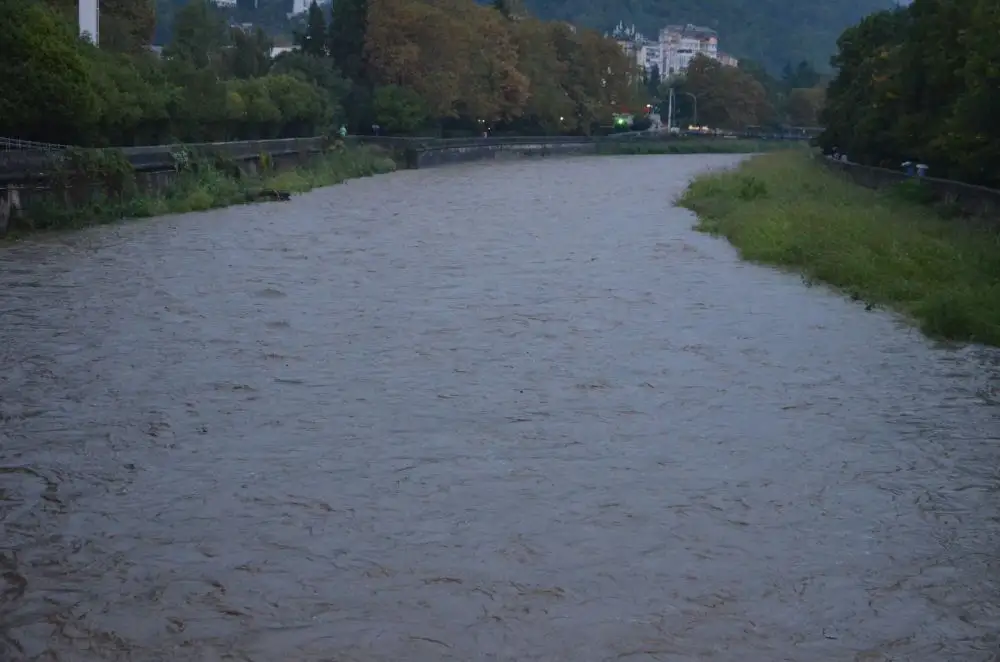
{"points": [[880, 247], [198, 186]]}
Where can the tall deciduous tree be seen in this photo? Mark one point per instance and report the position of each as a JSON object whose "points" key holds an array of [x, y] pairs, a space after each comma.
{"points": [[346, 36], [727, 97]]}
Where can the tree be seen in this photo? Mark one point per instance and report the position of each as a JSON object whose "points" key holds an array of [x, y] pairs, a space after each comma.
{"points": [[803, 75], [313, 40], [804, 106], [49, 91], [852, 123], [653, 81], [493, 89], [727, 97], [347, 37], [920, 83], [126, 26], [199, 34], [249, 55], [404, 47], [399, 109], [133, 105], [548, 106]]}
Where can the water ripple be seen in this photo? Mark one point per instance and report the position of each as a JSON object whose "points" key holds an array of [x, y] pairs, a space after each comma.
{"points": [[479, 413]]}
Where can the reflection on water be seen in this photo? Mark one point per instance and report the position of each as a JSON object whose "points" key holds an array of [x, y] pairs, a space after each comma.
{"points": [[517, 412]]}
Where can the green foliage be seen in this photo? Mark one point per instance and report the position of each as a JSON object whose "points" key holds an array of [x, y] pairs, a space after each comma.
{"points": [[449, 66], [249, 55], [399, 109], [47, 86], [126, 26], [84, 171], [920, 83], [345, 39], [785, 209], [102, 188], [213, 84], [199, 34], [312, 40], [727, 97]]}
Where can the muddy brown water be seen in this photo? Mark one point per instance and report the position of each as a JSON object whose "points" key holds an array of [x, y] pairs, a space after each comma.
{"points": [[494, 412]]}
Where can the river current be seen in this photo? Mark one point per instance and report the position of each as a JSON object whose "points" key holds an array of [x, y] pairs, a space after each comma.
{"points": [[506, 412]]}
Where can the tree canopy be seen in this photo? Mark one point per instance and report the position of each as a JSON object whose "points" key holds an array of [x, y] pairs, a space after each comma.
{"points": [[407, 65], [772, 32], [920, 83]]}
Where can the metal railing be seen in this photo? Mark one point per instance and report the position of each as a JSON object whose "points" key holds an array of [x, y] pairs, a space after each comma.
{"points": [[18, 145]]}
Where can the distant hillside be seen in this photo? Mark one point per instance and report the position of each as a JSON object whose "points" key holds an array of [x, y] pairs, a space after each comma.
{"points": [[772, 32]]}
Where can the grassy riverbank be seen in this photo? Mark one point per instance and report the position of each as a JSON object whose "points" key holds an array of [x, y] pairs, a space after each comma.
{"points": [[878, 247], [204, 187], [694, 145]]}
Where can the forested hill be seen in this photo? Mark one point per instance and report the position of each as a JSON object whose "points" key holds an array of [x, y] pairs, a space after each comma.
{"points": [[772, 32]]}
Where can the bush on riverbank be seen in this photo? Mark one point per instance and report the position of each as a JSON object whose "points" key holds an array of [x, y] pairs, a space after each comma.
{"points": [[877, 246], [208, 185]]}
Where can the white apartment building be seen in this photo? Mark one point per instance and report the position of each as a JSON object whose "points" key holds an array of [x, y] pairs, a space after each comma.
{"points": [[649, 55], [228, 4], [674, 49], [680, 43]]}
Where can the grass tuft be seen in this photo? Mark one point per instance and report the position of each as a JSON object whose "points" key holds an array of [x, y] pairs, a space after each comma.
{"points": [[879, 247]]}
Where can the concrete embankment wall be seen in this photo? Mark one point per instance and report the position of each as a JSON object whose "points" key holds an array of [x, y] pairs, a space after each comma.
{"points": [[26, 177], [974, 200]]}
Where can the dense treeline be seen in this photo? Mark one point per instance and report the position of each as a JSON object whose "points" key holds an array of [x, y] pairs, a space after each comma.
{"points": [[406, 65], [736, 98], [772, 32], [921, 83]]}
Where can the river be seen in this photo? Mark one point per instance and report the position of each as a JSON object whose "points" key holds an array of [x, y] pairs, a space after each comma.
{"points": [[507, 412]]}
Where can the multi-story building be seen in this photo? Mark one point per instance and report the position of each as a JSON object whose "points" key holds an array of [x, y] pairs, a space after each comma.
{"points": [[680, 43], [228, 4], [649, 55], [674, 49]]}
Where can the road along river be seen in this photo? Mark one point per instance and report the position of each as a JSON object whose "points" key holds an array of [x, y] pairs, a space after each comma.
{"points": [[511, 412]]}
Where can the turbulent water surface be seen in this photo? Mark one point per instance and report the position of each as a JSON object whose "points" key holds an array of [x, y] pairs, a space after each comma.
{"points": [[512, 412]]}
